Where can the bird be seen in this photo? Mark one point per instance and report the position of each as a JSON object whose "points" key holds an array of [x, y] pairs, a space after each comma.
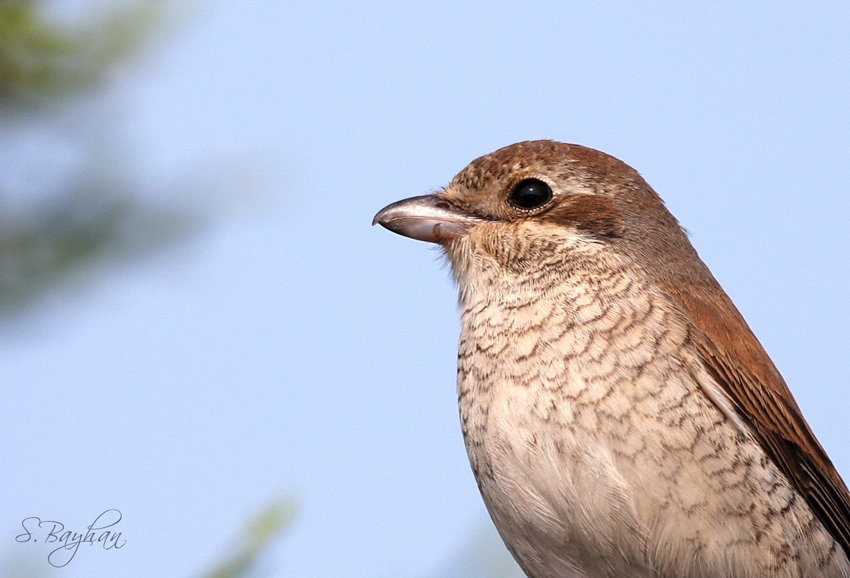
{"points": [[620, 416]]}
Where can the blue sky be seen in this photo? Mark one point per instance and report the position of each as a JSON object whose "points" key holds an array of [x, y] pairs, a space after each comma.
{"points": [[295, 350]]}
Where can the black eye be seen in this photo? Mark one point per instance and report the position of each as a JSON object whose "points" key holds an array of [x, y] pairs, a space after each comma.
{"points": [[530, 194]]}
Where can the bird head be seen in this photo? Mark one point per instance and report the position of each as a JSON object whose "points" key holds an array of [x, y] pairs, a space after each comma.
{"points": [[545, 205]]}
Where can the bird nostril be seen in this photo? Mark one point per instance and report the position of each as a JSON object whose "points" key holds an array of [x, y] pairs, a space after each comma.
{"points": [[442, 205]]}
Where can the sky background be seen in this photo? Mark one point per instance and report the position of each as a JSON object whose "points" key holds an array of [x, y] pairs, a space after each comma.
{"points": [[293, 350]]}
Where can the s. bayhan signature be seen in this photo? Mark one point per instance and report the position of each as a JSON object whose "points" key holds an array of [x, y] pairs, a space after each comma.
{"points": [[68, 542]]}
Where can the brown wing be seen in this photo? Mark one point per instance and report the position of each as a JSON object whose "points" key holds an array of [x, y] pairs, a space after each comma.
{"points": [[736, 359]]}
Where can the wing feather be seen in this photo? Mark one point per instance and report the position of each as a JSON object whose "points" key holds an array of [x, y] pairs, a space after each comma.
{"points": [[737, 362]]}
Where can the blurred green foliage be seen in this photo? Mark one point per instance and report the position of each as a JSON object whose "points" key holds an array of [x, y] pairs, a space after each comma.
{"points": [[42, 61], [53, 74], [54, 83], [255, 539]]}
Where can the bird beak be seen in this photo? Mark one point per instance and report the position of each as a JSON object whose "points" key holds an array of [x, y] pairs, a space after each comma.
{"points": [[426, 218]]}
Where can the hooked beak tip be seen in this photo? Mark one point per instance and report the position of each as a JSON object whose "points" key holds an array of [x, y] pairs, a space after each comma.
{"points": [[427, 218]]}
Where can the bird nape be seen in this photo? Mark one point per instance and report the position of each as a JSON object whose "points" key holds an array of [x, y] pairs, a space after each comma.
{"points": [[620, 417]]}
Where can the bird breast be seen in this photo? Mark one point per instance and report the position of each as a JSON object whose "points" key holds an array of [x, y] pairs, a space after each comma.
{"points": [[596, 450]]}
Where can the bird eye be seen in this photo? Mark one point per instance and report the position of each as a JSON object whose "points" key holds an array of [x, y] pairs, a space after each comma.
{"points": [[530, 194]]}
